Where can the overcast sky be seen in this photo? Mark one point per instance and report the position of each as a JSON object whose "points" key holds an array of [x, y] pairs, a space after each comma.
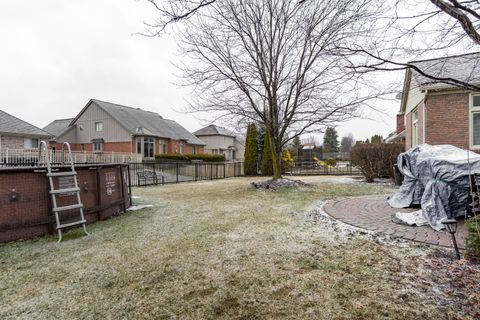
{"points": [[56, 55]]}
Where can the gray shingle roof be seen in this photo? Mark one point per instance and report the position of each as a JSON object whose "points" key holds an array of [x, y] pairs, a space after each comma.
{"points": [[138, 121], [57, 127], [465, 68], [213, 130], [12, 125]]}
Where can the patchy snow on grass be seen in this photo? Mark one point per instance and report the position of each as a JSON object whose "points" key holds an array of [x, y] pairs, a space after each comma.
{"points": [[223, 250]]}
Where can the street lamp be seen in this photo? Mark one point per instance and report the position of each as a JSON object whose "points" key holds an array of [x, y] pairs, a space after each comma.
{"points": [[451, 225]]}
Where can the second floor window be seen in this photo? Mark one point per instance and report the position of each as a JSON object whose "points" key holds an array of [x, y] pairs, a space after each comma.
{"points": [[98, 126]]}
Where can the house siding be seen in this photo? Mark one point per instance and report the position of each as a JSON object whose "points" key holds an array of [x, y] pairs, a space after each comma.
{"points": [[112, 131], [448, 119]]}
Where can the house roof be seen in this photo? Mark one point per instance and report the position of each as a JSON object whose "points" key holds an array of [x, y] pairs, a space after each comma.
{"points": [[57, 127], [142, 122], [213, 130], [464, 67], [13, 125]]}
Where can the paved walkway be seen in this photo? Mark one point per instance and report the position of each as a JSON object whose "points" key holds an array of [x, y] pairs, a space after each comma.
{"points": [[374, 213]]}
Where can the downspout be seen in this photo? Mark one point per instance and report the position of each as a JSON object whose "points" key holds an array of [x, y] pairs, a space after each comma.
{"points": [[425, 117]]}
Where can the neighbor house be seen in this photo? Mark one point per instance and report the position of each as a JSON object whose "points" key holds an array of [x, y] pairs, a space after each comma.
{"points": [[18, 134], [219, 140], [435, 112], [107, 127]]}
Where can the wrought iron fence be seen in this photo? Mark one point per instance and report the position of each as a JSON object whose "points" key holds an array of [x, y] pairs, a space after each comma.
{"points": [[319, 167], [151, 173]]}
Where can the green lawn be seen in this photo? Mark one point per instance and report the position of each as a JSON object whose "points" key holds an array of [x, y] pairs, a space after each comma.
{"points": [[217, 250]]}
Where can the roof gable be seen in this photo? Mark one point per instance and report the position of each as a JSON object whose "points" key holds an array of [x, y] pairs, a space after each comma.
{"points": [[213, 130], [141, 122], [12, 125], [58, 127]]}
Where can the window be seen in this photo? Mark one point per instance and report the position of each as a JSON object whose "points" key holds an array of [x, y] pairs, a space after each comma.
{"points": [[145, 146], [98, 126], [414, 128], [475, 121], [181, 147], [97, 147], [148, 147], [194, 149], [162, 146], [30, 143]]}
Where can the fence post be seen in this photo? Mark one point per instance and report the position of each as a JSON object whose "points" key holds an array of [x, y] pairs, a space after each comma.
{"points": [[224, 170], [177, 171]]}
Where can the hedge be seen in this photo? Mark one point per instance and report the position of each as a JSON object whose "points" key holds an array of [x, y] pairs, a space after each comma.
{"points": [[187, 157], [376, 160]]}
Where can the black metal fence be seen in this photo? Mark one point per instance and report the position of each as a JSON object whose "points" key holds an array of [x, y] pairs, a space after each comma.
{"points": [[151, 173], [322, 168]]}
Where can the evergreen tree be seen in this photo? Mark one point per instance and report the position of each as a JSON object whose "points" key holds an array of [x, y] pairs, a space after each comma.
{"points": [[330, 141], [377, 139], [267, 165], [295, 147], [251, 155], [260, 140]]}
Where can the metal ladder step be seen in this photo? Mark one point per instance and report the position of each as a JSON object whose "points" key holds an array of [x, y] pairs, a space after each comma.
{"points": [[70, 207], [71, 224], [67, 190], [62, 174]]}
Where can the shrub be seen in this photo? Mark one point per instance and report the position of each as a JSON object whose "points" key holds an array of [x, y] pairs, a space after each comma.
{"points": [[287, 161], [186, 157], [472, 248], [376, 160], [331, 162], [207, 157], [171, 156]]}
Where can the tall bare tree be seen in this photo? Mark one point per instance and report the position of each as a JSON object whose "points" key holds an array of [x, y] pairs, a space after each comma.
{"points": [[276, 62], [409, 31]]}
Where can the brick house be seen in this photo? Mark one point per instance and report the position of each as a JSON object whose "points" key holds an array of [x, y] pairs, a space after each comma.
{"points": [[107, 127], [435, 112], [222, 141], [18, 134]]}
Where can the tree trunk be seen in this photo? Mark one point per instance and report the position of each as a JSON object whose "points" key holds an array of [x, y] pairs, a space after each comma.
{"points": [[276, 158]]}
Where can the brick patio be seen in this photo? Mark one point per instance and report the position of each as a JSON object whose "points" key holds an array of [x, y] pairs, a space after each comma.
{"points": [[373, 213]]}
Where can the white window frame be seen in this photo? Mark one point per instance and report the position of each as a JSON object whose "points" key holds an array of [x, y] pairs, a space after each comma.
{"points": [[28, 143], [98, 126], [414, 127], [99, 145], [181, 147], [472, 110]]}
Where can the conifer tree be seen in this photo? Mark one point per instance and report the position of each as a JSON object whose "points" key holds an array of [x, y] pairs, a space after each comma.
{"points": [[267, 164], [251, 150]]}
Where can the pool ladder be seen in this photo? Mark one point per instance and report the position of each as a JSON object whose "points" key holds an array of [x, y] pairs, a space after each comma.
{"points": [[57, 211]]}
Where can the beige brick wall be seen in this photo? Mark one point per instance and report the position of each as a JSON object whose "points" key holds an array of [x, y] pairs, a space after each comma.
{"points": [[11, 142]]}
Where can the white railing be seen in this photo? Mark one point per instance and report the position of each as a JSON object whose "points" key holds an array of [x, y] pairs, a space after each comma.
{"points": [[29, 157]]}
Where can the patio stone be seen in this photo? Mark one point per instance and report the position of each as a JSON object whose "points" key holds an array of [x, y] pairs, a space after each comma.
{"points": [[373, 213]]}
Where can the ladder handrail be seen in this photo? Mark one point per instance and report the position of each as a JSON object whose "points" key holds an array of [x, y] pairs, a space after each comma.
{"points": [[43, 146]]}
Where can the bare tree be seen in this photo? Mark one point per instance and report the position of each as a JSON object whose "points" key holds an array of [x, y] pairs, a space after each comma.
{"points": [[415, 29], [276, 62], [347, 143]]}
